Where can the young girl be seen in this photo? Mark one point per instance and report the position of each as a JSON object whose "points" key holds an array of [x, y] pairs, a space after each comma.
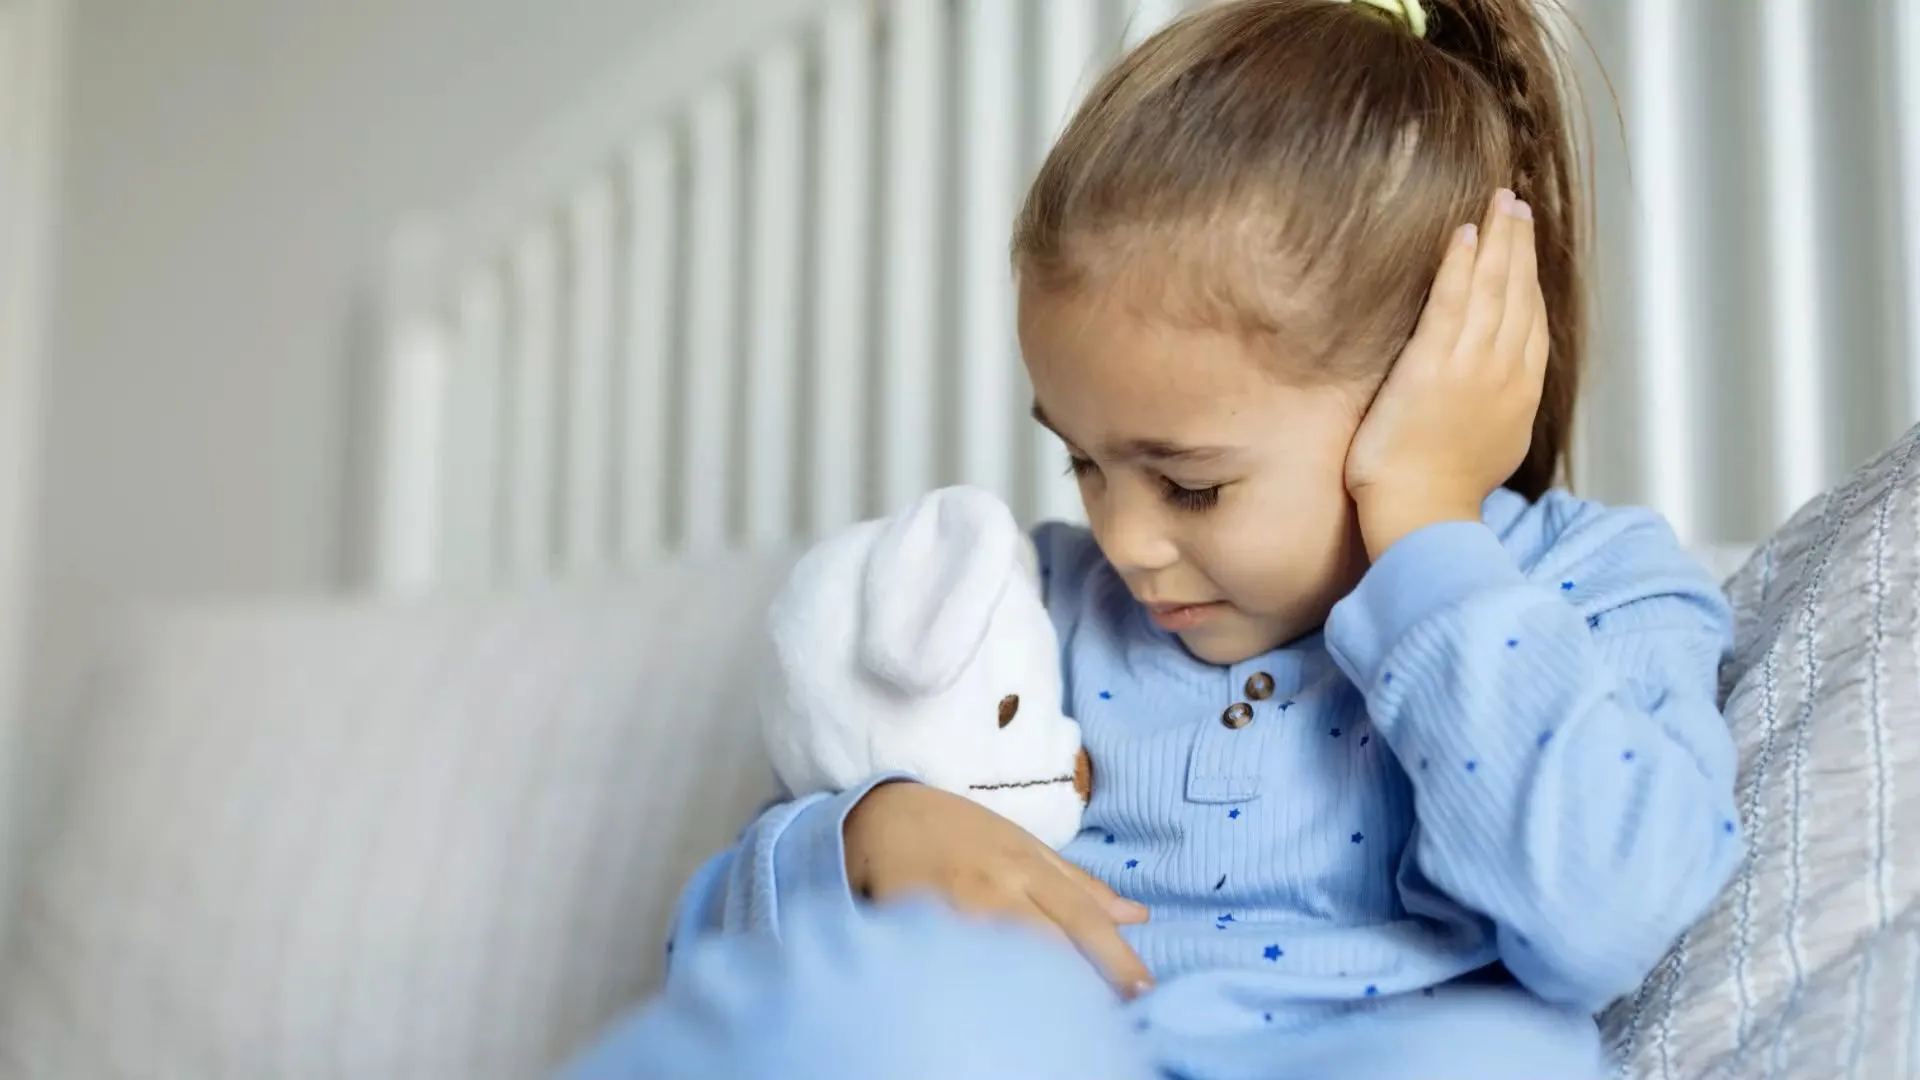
{"points": [[1405, 764]]}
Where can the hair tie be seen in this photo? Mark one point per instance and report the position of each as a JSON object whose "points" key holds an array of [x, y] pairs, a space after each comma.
{"points": [[1407, 11]]}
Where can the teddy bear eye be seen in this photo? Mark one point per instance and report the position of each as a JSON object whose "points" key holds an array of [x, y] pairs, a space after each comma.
{"points": [[1008, 706]]}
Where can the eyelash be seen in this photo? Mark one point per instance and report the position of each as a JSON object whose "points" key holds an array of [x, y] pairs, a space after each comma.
{"points": [[1192, 500]]}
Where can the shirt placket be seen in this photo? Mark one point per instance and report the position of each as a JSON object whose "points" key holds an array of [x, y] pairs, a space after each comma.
{"points": [[1230, 738]]}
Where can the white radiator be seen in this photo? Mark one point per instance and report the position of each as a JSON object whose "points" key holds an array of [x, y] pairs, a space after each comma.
{"points": [[759, 288]]}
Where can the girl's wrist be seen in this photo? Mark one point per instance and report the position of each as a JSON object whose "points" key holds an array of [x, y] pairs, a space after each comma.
{"points": [[1386, 519]]}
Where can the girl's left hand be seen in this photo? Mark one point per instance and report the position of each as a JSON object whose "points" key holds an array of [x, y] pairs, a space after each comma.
{"points": [[1455, 415]]}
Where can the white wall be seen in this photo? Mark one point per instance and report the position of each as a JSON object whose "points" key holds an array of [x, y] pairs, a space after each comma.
{"points": [[31, 58], [232, 165]]}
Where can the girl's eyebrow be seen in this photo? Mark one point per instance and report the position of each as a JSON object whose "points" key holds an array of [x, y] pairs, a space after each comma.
{"points": [[1156, 450]]}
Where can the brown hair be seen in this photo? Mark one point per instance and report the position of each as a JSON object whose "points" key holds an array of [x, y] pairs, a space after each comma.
{"points": [[1296, 167]]}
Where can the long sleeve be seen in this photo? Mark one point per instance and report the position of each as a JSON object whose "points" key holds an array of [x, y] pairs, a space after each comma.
{"points": [[794, 850], [797, 847], [1555, 708]]}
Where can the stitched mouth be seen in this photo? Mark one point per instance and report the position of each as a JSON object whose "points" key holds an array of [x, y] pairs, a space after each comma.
{"points": [[1012, 784]]}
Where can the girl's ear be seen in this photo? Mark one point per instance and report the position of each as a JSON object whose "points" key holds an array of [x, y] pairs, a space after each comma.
{"points": [[933, 579]]}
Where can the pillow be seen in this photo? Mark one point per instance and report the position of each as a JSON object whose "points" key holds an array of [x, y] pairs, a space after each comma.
{"points": [[1822, 693], [1856, 1017], [364, 841]]}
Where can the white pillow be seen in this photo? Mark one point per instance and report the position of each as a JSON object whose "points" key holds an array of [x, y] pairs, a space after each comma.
{"points": [[369, 843], [1823, 696]]}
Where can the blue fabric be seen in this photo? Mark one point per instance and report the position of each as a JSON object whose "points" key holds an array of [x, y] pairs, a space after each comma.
{"points": [[1503, 748], [912, 994], [917, 994]]}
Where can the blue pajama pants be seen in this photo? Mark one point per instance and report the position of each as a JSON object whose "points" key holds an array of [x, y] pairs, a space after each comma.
{"points": [[920, 994]]}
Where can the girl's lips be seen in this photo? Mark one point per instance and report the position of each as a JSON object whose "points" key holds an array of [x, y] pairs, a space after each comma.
{"points": [[1174, 618]]}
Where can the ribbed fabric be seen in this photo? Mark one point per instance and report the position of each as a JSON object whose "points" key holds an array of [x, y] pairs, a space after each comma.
{"points": [[1503, 746]]}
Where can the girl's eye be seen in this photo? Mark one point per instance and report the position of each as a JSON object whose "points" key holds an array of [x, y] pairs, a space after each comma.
{"points": [[1191, 499], [1176, 495]]}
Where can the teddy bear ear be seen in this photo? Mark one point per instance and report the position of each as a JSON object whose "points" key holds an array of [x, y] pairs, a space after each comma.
{"points": [[935, 575], [1029, 555]]}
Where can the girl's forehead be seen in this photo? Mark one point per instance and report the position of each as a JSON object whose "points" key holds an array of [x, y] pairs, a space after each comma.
{"points": [[1111, 381], [1091, 350]]}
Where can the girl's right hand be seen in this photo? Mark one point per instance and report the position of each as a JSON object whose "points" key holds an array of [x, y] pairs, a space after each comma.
{"points": [[907, 839]]}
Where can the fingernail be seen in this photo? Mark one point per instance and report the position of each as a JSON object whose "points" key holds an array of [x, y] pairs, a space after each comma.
{"points": [[1504, 198], [1469, 235], [1521, 210], [1138, 989]]}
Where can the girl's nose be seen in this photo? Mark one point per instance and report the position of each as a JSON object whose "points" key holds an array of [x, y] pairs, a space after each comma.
{"points": [[1134, 543]]}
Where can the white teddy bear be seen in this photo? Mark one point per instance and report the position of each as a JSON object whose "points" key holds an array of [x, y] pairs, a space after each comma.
{"points": [[920, 644]]}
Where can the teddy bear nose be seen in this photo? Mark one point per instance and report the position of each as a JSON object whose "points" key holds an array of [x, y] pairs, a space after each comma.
{"points": [[1008, 706]]}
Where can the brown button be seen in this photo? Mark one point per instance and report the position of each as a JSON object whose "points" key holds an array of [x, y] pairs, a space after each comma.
{"points": [[1238, 715], [1259, 686]]}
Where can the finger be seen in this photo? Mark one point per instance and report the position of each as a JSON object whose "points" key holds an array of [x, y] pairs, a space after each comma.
{"points": [[1024, 910], [1095, 935], [1446, 309], [1491, 272], [1117, 907], [1522, 304], [1539, 342]]}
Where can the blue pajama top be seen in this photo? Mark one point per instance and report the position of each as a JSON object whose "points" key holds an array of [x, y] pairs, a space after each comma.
{"points": [[1503, 747]]}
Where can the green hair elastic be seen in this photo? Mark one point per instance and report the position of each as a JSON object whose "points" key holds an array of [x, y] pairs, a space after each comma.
{"points": [[1407, 11]]}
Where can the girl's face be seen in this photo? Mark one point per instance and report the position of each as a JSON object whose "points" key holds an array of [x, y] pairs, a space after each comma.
{"points": [[1215, 490]]}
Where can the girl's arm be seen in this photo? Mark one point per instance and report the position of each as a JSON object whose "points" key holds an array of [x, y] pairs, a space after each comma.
{"points": [[797, 848], [1573, 777], [794, 848]]}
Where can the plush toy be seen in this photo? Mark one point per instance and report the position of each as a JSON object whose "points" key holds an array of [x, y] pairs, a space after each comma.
{"points": [[919, 644]]}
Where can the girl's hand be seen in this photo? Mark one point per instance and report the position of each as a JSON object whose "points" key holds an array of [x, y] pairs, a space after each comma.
{"points": [[1455, 415], [907, 839]]}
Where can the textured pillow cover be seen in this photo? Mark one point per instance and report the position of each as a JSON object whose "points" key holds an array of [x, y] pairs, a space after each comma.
{"points": [[1853, 1018], [1821, 693]]}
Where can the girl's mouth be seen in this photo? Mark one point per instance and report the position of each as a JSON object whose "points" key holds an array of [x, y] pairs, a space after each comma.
{"points": [[1174, 618]]}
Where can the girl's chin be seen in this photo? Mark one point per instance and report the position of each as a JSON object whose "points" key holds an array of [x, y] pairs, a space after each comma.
{"points": [[1231, 637], [1224, 644]]}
